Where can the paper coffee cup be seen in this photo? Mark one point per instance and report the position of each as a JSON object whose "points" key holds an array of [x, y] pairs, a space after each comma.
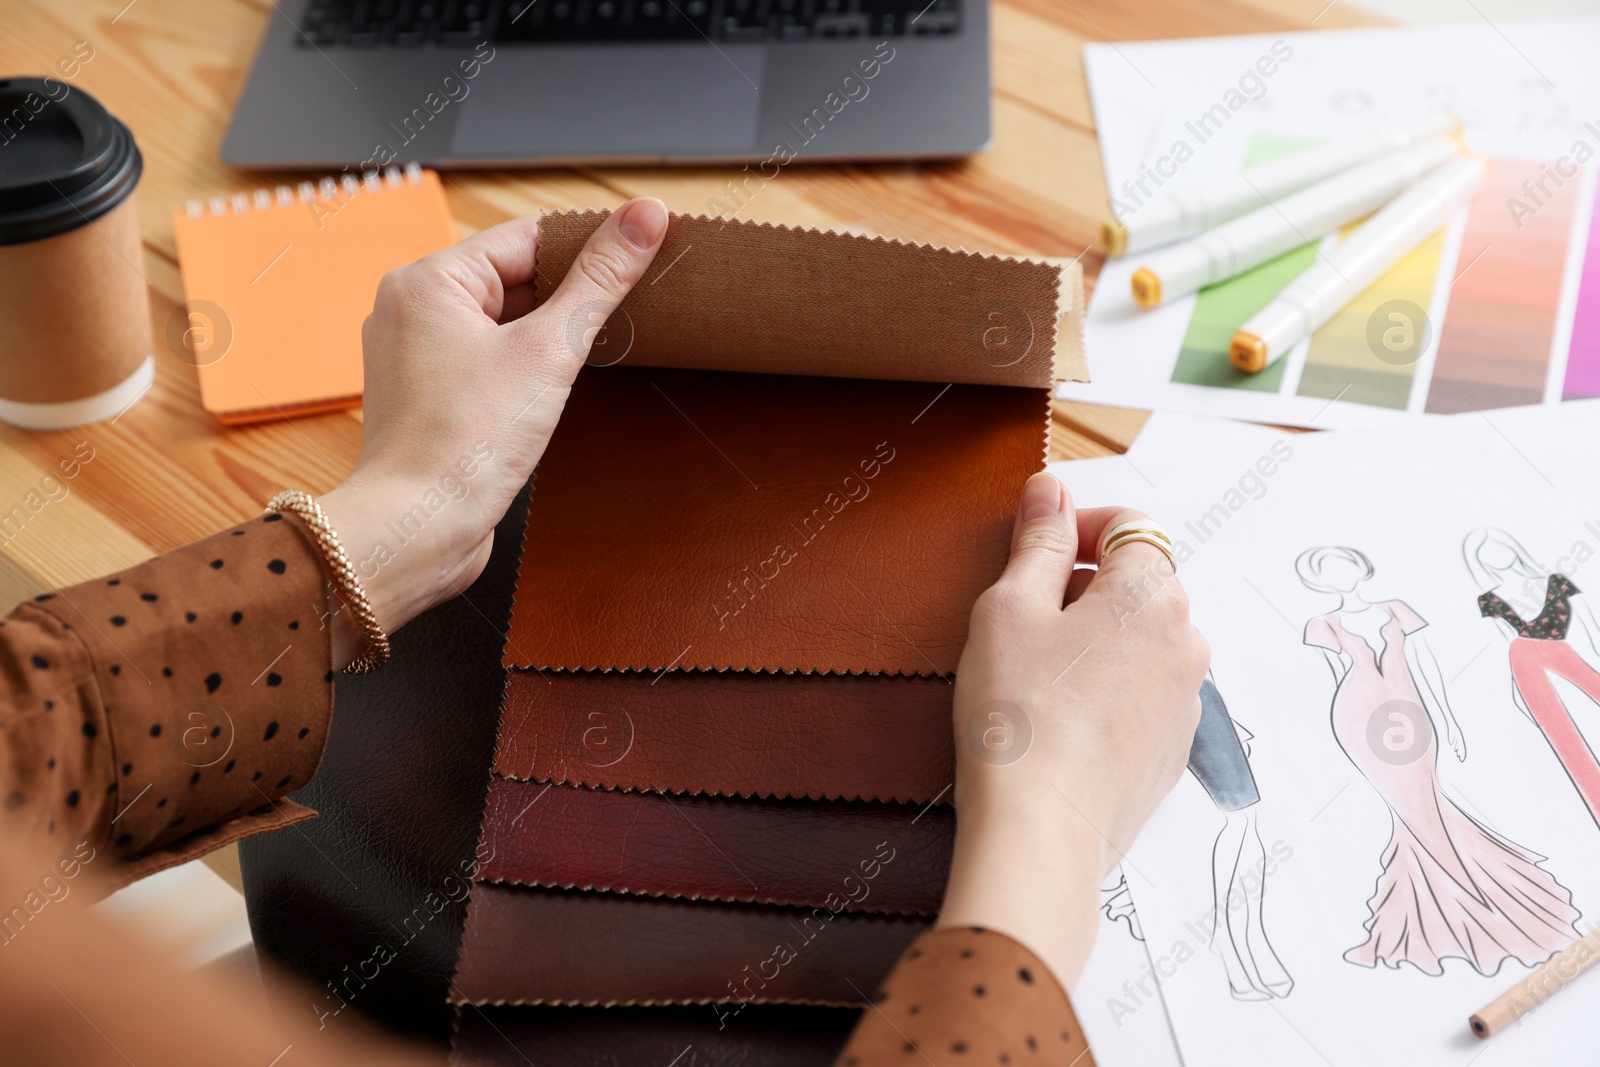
{"points": [[74, 306]]}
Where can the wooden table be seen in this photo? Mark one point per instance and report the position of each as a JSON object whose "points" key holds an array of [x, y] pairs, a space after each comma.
{"points": [[166, 473]]}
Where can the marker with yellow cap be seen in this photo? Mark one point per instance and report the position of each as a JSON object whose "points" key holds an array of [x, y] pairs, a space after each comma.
{"points": [[1190, 211], [1250, 240], [1306, 303]]}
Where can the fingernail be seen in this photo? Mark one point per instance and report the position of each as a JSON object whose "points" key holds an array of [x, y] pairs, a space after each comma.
{"points": [[643, 222], [1041, 497]]}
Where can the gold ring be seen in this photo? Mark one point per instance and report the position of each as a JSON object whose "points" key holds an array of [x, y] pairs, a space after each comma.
{"points": [[1144, 530]]}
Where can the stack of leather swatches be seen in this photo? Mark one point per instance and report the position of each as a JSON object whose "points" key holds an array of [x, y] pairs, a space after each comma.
{"points": [[720, 804]]}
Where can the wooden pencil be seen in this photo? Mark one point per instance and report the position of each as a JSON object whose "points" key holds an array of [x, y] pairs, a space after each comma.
{"points": [[1530, 993]]}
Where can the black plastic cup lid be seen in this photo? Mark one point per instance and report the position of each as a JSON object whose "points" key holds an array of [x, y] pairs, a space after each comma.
{"points": [[64, 160]]}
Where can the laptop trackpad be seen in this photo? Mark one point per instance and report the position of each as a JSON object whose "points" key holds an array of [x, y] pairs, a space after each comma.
{"points": [[582, 101]]}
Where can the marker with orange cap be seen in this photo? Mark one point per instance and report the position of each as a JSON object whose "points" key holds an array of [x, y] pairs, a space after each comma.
{"points": [[1305, 304], [1277, 227], [1190, 211]]}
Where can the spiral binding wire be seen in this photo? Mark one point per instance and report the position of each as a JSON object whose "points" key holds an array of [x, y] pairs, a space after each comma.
{"points": [[329, 188]]}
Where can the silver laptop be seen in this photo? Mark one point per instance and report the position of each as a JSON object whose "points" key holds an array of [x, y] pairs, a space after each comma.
{"points": [[493, 83]]}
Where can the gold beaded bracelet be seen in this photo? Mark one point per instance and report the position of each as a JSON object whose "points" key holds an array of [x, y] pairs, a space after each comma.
{"points": [[345, 582]]}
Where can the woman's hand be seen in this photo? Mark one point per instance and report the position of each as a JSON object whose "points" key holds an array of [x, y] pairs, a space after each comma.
{"points": [[1076, 702], [463, 389]]}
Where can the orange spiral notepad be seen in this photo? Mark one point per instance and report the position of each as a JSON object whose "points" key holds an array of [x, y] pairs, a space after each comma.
{"points": [[278, 282]]}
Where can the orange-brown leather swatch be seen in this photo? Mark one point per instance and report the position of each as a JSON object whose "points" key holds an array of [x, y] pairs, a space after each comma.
{"points": [[826, 737], [703, 519], [754, 296]]}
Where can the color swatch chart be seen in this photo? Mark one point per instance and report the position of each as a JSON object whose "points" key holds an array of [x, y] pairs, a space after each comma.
{"points": [[1501, 308], [1512, 295]]}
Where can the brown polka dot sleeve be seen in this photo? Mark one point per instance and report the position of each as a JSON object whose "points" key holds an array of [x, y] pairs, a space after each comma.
{"points": [[965, 995], [150, 716]]}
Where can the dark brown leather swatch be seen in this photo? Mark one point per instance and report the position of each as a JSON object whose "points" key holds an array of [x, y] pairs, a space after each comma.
{"points": [[761, 1035], [731, 733], [888, 858], [701, 519], [547, 946], [761, 297]]}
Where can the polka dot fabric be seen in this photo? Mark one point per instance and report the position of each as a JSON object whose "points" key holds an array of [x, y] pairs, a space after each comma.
{"points": [[160, 712], [965, 996]]}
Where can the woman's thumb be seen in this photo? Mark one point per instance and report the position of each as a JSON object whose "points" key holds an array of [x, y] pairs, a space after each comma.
{"points": [[611, 263]]}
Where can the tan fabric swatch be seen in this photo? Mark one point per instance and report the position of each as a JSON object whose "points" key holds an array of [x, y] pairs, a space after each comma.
{"points": [[749, 296]]}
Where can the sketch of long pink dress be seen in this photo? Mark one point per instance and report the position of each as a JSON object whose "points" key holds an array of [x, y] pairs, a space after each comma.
{"points": [[1450, 887], [1539, 652]]}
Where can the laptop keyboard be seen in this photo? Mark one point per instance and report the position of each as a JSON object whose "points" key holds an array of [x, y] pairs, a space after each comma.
{"points": [[357, 23]]}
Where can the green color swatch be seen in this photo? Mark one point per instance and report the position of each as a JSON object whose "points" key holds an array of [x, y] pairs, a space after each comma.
{"points": [[1221, 309]]}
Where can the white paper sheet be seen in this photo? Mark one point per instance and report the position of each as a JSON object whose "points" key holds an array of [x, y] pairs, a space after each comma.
{"points": [[1408, 497], [1117, 999], [1526, 91]]}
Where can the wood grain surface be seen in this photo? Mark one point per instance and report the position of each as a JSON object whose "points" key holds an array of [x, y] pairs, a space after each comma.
{"points": [[166, 473]]}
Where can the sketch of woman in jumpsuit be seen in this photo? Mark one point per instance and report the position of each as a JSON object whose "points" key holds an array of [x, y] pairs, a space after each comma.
{"points": [[1220, 762], [1537, 611], [1449, 887]]}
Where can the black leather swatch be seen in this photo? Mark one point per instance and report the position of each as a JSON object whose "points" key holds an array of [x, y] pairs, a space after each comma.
{"points": [[384, 868]]}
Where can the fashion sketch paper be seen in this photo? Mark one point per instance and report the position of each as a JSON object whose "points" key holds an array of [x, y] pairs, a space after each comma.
{"points": [[1500, 308], [1402, 637]]}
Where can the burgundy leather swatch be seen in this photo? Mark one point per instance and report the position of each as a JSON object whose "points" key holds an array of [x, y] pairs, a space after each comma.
{"points": [[732, 733], [546, 946], [889, 858], [757, 297], [701, 519]]}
